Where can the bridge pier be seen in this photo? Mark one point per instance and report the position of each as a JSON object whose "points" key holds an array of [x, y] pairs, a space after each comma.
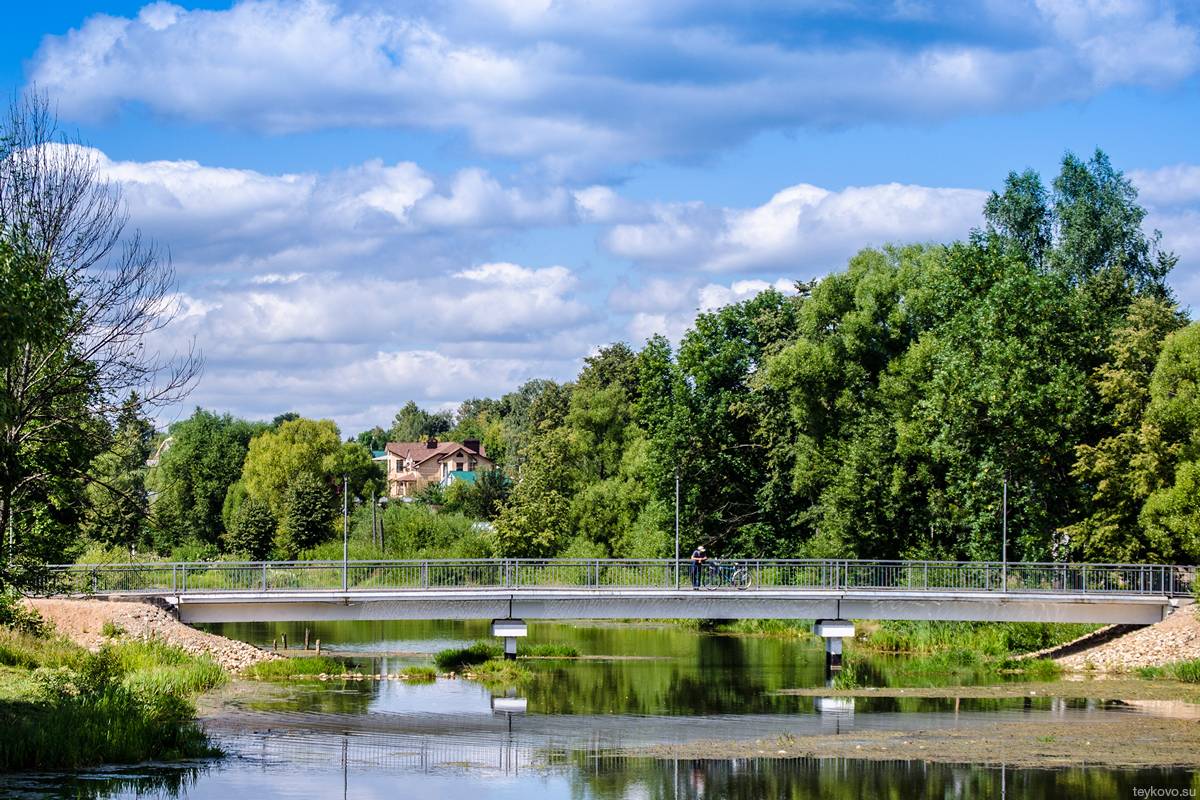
{"points": [[510, 630], [833, 631]]}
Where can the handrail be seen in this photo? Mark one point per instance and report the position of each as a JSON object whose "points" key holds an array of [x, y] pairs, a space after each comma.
{"points": [[191, 577]]}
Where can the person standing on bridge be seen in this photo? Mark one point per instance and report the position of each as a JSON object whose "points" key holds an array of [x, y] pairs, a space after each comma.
{"points": [[699, 557]]}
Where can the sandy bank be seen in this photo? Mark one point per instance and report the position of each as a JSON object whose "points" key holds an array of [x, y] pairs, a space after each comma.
{"points": [[1126, 741], [1177, 638], [82, 621]]}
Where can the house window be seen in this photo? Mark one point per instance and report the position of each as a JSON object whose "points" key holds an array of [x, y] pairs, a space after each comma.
{"points": [[458, 465], [445, 469]]}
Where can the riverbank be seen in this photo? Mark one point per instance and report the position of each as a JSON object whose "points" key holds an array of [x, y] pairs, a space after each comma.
{"points": [[64, 707], [89, 623]]}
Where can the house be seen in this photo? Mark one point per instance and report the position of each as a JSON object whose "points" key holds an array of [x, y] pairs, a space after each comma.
{"points": [[413, 465]]}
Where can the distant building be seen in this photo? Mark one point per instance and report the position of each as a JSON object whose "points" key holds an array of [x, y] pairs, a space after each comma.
{"points": [[413, 465]]}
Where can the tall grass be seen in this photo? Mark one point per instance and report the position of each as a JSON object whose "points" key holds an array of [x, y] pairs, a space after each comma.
{"points": [[298, 667], [128, 702], [1186, 671], [996, 639], [458, 658]]}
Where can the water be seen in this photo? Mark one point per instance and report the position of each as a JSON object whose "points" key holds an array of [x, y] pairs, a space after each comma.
{"points": [[650, 685]]}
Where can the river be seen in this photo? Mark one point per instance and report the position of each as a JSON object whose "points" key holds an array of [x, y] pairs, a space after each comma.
{"points": [[585, 728]]}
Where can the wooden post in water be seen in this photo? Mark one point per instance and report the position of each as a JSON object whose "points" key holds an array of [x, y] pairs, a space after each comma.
{"points": [[318, 647], [284, 641], [306, 638], [275, 644]]}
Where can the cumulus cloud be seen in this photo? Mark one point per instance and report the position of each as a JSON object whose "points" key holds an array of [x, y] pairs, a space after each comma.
{"points": [[802, 227], [669, 307], [585, 86], [241, 222]]}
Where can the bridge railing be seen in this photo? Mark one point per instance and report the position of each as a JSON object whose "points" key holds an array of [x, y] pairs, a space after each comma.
{"points": [[807, 574]]}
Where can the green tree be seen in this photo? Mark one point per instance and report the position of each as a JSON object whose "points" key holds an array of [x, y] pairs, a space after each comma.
{"points": [[414, 424], [118, 504], [536, 521], [1170, 457], [79, 296], [277, 457], [252, 530], [308, 512], [201, 459], [1109, 467]]}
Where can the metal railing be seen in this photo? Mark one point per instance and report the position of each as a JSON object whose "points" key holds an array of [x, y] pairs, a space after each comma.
{"points": [[600, 574]]}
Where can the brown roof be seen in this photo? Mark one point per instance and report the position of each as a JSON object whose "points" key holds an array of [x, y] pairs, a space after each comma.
{"points": [[420, 452]]}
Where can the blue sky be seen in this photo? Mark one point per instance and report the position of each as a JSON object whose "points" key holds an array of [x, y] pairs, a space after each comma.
{"points": [[368, 202]]}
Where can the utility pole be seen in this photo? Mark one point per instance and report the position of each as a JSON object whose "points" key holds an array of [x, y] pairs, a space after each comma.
{"points": [[677, 527]]}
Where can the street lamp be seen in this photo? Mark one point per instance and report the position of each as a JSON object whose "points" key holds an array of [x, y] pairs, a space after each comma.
{"points": [[676, 527], [345, 530], [1004, 535]]}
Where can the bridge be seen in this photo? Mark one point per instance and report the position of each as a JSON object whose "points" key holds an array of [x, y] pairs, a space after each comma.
{"points": [[509, 591], [274, 591]]}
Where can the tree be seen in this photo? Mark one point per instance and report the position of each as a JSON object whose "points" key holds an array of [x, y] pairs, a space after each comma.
{"points": [[414, 424], [82, 296], [118, 505], [308, 512], [252, 531], [374, 439], [363, 475], [277, 457], [536, 520], [201, 459], [1109, 468], [1170, 457]]}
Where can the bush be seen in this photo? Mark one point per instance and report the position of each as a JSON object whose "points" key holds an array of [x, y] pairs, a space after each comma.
{"points": [[14, 614]]}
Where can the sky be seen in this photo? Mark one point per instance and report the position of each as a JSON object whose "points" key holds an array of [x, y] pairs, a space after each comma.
{"points": [[368, 202]]}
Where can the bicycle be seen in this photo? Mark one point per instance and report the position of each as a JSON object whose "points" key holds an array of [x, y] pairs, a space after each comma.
{"points": [[717, 575]]}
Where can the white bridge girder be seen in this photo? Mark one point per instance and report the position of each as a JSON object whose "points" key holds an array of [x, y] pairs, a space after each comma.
{"points": [[280, 606]]}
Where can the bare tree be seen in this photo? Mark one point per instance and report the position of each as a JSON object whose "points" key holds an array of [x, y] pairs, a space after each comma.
{"points": [[82, 299]]}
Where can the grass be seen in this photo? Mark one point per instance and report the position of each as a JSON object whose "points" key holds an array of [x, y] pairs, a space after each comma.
{"points": [[111, 630], [1185, 671], [419, 674], [456, 659], [62, 707], [154, 666], [996, 639], [499, 671], [298, 667], [547, 650]]}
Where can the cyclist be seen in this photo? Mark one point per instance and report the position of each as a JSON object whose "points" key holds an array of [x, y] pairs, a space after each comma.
{"points": [[699, 557]]}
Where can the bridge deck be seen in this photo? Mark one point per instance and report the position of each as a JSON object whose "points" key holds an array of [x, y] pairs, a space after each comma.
{"points": [[610, 589]]}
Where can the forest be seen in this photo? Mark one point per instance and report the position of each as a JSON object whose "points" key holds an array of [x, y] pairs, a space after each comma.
{"points": [[878, 412]]}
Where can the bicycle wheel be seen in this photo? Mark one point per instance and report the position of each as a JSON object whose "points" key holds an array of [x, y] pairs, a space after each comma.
{"points": [[740, 578]]}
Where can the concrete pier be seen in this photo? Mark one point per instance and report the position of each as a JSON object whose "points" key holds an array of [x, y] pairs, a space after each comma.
{"points": [[833, 631], [509, 630]]}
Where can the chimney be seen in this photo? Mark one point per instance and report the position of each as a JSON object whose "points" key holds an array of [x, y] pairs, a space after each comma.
{"points": [[432, 443], [472, 444]]}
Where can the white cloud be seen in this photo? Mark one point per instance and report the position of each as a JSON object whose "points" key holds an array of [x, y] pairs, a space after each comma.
{"points": [[803, 227], [1168, 186], [583, 86]]}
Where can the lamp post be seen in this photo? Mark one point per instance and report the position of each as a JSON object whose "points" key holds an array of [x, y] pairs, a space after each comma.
{"points": [[345, 530], [676, 527], [1004, 535]]}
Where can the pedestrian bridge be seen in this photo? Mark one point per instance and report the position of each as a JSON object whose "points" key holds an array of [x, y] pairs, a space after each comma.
{"points": [[500, 589]]}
